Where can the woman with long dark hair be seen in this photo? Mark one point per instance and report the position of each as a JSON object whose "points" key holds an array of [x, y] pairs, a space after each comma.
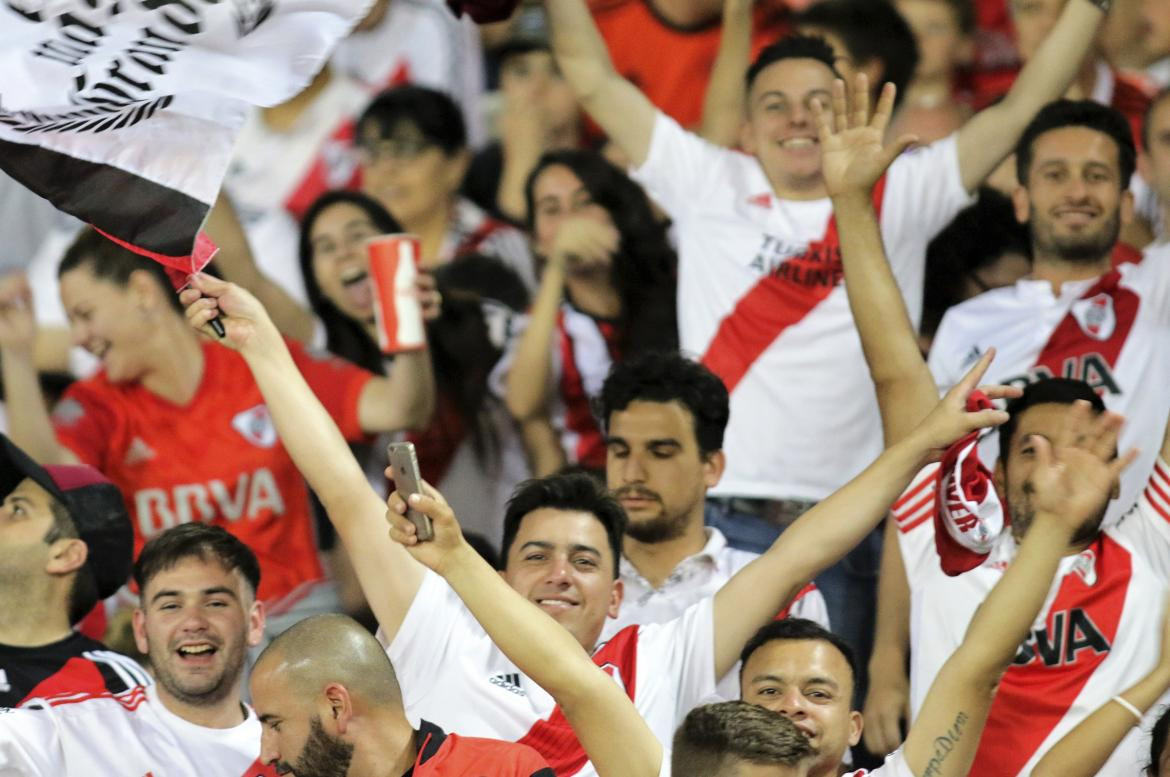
{"points": [[607, 292], [469, 448]]}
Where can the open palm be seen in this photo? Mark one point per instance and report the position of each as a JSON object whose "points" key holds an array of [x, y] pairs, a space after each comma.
{"points": [[853, 152]]}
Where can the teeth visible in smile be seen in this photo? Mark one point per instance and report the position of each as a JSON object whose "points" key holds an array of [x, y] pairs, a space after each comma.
{"points": [[797, 142], [553, 603], [196, 650]]}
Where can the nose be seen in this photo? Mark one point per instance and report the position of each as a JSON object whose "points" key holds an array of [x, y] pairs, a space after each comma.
{"points": [[1077, 190], [790, 704], [558, 572], [78, 333], [632, 470], [269, 752], [194, 620]]}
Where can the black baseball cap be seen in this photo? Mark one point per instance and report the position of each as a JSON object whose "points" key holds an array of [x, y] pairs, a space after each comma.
{"points": [[94, 504], [530, 32]]}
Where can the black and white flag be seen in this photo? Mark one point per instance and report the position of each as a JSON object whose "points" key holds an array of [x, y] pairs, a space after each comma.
{"points": [[124, 112]]}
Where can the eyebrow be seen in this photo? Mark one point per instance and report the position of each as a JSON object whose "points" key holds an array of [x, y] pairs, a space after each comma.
{"points": [[778, 93], [267, 718], [576, 548], [775, 678], [218, 589]]}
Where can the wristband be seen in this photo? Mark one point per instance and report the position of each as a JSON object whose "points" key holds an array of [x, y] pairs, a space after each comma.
{"points": [[1124, 703]]}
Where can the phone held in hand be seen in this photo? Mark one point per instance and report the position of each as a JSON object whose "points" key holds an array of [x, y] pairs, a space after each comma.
{"points": [[404, 465]]}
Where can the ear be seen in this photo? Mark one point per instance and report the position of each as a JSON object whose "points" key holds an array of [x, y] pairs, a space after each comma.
{"points": [[1127, 207], [456, 169], [856, 724], [999, 480], [144, 291], [713, 468], [339, 706], [256, 622], [139, 624], [1022, 204], [615, 598], [66, 556]]}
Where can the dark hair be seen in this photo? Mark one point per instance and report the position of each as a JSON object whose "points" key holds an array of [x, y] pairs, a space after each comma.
{"points": [[796, 630], [869, 30], [1155, 101], [1047, 391], [665, 377], [643, 271], [792, 47], [111, 262], [344, 336], [195, 540], [978, 237], [575, 491], [1158, 741], [431, 112], [715, 738], [1078, 113], [83, 594]]}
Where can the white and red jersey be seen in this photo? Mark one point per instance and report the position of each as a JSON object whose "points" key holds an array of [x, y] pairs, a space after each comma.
{"points": [[894, 766], [1110, 332], [452, 673], [129, 734], [760, 299], [695, 578], [275, 175], [217, 459], [473, 231], [421, 42], [1097, 634]]}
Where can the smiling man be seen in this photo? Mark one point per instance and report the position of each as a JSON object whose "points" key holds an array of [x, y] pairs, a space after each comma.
{"points": [[199, 616]]}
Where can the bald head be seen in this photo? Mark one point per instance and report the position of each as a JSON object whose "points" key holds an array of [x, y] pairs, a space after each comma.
{"points": [[329, 649]]}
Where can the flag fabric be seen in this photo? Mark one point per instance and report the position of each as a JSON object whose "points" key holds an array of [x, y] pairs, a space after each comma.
{"points": [[123, 113]]}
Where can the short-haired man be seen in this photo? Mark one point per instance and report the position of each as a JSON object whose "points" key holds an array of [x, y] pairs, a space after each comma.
{"points": [[1096, 636], [734, 737], [329, 702], [198, 617], [65, 544], [561, 554], [798, 672], [664, 418]]}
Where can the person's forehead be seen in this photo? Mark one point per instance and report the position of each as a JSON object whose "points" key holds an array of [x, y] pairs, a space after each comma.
{"points": [[338, 215], [1074, 145], [193, 574], [798, 660], [562, 529], [643, 420], [794, 77], [30, 490], [556, 180]]}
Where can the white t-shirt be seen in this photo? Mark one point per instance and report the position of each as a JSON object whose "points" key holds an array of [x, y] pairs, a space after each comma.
{"points": [[421, 42], [274, 175], [128, 735], [760, 300], [1098, 633], [452, 674], [1115, 339]]}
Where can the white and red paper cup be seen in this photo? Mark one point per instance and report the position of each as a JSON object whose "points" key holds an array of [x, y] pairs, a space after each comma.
{"points": [[397, 309]]}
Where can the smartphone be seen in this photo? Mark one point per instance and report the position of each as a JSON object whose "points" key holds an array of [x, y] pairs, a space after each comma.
{"points": [[404, 465]]}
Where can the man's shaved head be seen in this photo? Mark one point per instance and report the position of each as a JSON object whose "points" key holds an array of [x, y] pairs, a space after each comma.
{"points": [[329, 649]]}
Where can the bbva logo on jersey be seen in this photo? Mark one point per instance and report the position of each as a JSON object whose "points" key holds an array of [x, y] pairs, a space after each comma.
{"points": [[1073, 631], [255, 494], [256, 426]]}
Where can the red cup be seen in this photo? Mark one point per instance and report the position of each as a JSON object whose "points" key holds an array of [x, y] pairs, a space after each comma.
{"points": [[397, 310]]}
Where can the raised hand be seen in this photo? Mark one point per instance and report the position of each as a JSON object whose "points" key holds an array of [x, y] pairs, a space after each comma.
{"points": [[853, 151], [950, 420], [1074, 474], [241, 313], [18, 325], [583, 244], [443, 549]]}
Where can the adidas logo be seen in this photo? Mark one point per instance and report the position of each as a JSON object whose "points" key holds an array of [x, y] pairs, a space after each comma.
{"points": [[138, 452], [509, 682], [5, 686], [974, 355]]}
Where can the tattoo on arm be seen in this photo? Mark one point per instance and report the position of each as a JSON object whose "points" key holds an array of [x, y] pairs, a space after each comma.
{"points": [[944, 745]]}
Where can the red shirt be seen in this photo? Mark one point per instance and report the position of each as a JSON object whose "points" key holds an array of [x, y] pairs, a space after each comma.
{"points": [[450, 755], [217, 459], [638, 39]]}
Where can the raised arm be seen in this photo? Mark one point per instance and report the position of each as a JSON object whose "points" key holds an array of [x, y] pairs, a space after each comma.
{"points": [[1072, 478], [622, 111], [1084, 750], [989, 136], [389, 576], [723, 105], [828, 531], [28, 419], [615, 737], [402, 400]]}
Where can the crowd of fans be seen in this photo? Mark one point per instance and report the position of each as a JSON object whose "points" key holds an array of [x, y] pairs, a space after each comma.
{"points": [[694, 275]]}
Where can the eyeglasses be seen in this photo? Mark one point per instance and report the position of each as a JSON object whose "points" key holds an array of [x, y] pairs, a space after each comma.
{"points": [[400, 149]]}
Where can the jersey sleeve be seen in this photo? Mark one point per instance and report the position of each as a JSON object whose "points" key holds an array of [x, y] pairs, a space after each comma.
{"points": [[84, 423], [1147, 524], [924, 190], [337, 383], [943, 354], [30, 743], [435, 632], [684, 651], [678, 166], [809, 604], [914, 514]]}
